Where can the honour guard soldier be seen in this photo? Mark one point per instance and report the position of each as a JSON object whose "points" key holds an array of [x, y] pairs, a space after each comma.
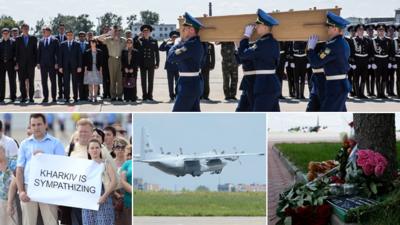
{"points": [[351, 31], [391, 29], [361, 58], [334, 59], [282, 62], [370, 81], [318, 79], [381, 51], [300, 67], [290, 68], [172, 68], [396, 64], [188, 54], [247, 85], [150, 60], [207, 65], [264, 54]]}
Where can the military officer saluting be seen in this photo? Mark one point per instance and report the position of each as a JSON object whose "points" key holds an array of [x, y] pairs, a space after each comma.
{"points": [[188, 54], [381, 51], [172, 68], [334, 59], [361, 58], [264, 55]]}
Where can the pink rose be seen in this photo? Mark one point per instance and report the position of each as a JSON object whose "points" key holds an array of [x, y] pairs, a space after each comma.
{"points": [[379, 170], [380, 159], [368, 169]]}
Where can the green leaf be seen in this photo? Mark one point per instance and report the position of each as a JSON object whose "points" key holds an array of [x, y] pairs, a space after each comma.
{"points": [[373, 188]]}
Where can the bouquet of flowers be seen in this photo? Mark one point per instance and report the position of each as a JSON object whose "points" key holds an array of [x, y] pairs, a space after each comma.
{"points": [[366, 169]]}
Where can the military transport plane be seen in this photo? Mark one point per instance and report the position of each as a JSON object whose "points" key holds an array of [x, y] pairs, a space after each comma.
{"points": [[179, 164]]}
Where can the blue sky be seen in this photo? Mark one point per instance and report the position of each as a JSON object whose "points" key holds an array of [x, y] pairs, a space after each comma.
{"points": [[202, 133], [32, 10]]}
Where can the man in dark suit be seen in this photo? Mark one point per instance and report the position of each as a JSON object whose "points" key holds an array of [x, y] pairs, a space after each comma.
{"points": [[82, 88], [7, 51], [61, 37], [70, 64], [26, 56], [47, 63]]}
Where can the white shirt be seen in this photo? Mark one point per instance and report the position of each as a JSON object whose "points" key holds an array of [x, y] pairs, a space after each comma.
{"points": [[9, 145]]}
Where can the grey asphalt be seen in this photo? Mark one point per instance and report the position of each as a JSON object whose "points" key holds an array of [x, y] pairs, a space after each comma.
{"points": [[216, 94]]}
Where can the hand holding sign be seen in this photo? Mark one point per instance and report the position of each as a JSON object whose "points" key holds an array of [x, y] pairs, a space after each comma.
{"points": [[24, 197]]}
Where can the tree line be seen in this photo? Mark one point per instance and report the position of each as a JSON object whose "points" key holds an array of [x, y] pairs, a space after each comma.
{"points": [[82, 22]]}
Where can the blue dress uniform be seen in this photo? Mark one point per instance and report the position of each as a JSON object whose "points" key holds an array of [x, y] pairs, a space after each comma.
{"points": [[318, 79], [247, 85], [264, 55], [188, 55], [334, 59], [172, 68]]}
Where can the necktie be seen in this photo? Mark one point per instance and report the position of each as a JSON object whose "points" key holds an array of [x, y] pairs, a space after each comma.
{"points": [[26, 40], [82, 46], [69, 45]]}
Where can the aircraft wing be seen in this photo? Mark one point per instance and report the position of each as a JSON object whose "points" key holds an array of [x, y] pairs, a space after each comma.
{"points": [[146, 160], [221, 156]]}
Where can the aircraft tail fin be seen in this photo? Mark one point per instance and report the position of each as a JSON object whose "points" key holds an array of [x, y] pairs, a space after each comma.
{"points": [[146, 148]]}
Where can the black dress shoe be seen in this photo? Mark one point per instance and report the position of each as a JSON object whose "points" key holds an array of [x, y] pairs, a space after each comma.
{"points": [[54, 101], [31, 100], [45, 100], [114, 99]]}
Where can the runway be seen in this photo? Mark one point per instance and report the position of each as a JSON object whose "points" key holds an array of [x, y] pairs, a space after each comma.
{"points": [[219, 104], [199, 220]]}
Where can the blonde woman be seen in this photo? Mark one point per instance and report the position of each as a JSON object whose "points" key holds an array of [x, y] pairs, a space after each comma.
{"points": [[105, 214]]}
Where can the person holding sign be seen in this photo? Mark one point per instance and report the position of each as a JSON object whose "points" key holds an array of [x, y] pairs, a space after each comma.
{"points": [[334, 59], [264, 54], [105, 214], [39, 142], [188, 55]]}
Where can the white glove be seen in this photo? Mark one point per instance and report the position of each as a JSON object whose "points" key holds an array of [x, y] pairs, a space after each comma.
{"points": [[177, 41], [369, 66], [248, 30], [286, 64], [292, 65], [308, 65], [353, 67], [312, 42], [389, 66], [394, 66], [374, 67]]}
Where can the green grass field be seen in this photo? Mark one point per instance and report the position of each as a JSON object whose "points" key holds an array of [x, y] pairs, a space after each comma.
{"points": [[199, 204], [301, 154]]}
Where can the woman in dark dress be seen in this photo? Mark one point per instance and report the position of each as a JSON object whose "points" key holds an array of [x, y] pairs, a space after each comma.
{"points": [[130, 63]]}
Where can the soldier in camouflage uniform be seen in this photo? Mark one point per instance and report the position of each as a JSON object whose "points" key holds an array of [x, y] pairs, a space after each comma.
{"points": [[229, 70]]}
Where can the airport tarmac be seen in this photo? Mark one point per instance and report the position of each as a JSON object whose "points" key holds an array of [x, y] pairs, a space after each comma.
{"points": [[219, 104], [199, 220]]}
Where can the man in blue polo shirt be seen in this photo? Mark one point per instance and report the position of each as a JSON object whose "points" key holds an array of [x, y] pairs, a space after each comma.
{"points": [[39, 142]]}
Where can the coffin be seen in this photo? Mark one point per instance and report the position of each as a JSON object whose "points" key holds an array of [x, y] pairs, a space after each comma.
{"points": [[293, 25]]}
